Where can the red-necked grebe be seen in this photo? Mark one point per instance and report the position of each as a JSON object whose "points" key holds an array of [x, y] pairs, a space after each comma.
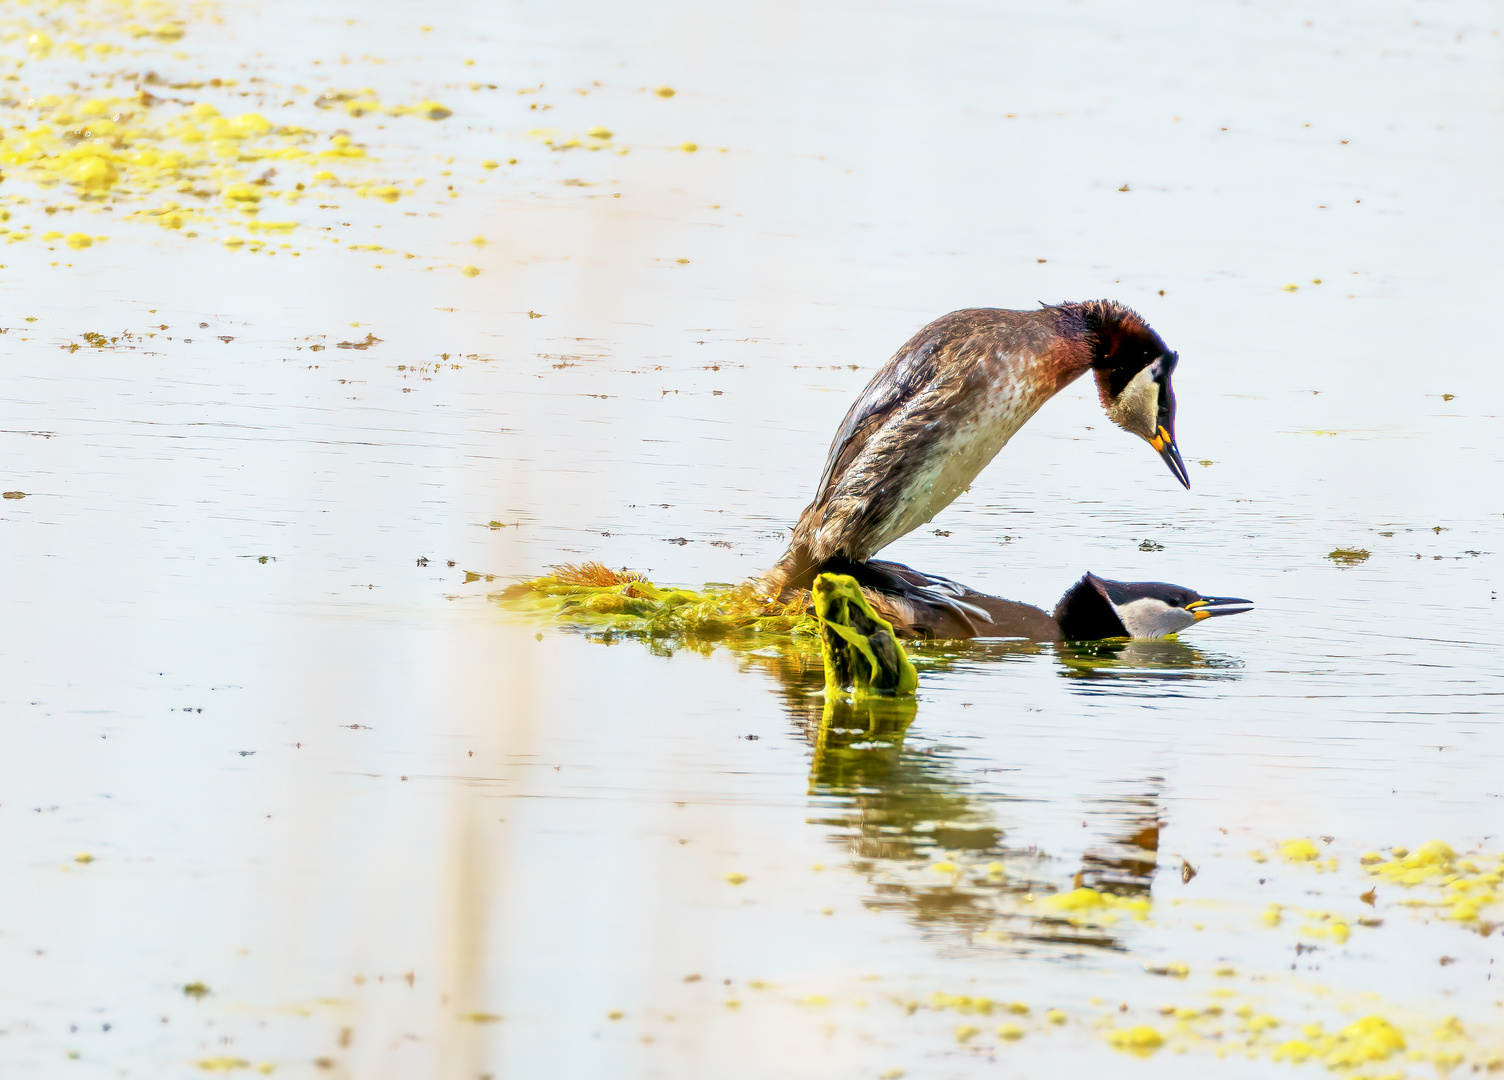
{"points": [[934, 416], [920, 605], [863, 615]]}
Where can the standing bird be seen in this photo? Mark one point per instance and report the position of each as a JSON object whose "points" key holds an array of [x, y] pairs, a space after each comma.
{"points": [[952, 397]]}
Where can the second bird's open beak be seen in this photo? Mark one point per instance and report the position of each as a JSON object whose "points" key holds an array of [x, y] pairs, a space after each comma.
{"points": [[1208, 606], [1164, 442]]}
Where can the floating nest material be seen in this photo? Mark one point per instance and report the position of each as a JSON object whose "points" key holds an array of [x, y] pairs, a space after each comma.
{"points": [[591, 596]]}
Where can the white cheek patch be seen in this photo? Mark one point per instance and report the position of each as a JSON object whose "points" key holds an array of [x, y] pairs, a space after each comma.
{"points": [[1147, 617], [1137, 407]]}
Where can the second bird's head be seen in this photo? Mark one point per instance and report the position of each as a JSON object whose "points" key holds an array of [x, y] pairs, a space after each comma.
{"points": [[1133, 365]]}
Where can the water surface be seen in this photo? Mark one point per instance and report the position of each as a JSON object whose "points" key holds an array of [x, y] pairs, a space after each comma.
{"points": [[251, 670]]}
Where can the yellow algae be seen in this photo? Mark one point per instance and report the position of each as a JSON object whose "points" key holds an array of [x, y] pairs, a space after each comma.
{"points": [[735, 878], [1450, 1028], [83, 857], [1294, 1051], [961, 1003], [615, 1014], [599, 133], [1273, 915], [944, 868], [52, 234], [1141, 1039], [223, 1064], [429, 110], [1370, 1039], [995, 868], [1055, 1016], [665, 91], [1018, 1008], [1087, 899], [489, 164], [689, 147], [1291, 287], [1300, 850], [342, 146], [1262, 1022], [78, 241], [1011, 1032], [242, 193], [965, 1032], [470, 271], [233, 242]]}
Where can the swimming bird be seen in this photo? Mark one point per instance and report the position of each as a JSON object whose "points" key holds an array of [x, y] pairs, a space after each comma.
{"points": [[920, 605], [861, 625], [941, 409]]}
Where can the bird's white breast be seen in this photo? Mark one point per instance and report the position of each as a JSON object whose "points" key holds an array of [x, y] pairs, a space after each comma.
{"points": [[962, 448]]}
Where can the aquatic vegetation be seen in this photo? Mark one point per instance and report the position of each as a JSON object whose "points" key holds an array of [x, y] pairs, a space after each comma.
{"points": [[589, 596], [1466, 886], [1141, 1039], [184, 154], [858, 645]]}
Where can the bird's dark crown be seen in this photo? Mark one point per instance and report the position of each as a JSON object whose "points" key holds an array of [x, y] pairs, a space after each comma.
{"points": [[1125, 592], [1122, 343]]}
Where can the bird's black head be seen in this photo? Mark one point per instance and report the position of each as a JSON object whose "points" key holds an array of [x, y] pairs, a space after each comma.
{"points": [[1095, 608], [1133, 365]]}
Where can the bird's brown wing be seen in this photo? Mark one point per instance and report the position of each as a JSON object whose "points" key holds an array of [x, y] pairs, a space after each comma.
{"points": [[915, 370]]}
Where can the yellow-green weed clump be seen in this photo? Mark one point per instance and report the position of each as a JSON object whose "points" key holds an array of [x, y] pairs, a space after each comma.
{"points": [[859, 647], [591, 596]]}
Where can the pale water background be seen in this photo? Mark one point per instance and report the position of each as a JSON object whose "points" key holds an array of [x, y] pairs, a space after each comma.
{"points": [[397, 835]]}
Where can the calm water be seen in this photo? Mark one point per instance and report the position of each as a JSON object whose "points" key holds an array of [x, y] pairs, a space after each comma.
{"points": [[250, 667]]}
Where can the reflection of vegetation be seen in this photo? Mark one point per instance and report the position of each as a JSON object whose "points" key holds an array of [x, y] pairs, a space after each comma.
{"points": [[927, 837]]}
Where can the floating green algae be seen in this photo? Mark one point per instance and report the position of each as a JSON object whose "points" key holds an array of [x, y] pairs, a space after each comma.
{"points": [[592, 597], [858, 648], [858, 645]]}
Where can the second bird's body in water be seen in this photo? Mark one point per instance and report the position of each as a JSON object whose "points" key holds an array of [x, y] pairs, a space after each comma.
{"points": [[934, 416]]}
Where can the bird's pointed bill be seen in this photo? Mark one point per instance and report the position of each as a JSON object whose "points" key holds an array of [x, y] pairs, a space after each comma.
{"points": [[1164, 428], [1209, 606], [1164, 442]]}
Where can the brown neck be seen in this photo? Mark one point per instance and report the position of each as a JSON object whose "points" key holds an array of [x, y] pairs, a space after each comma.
{"points": [[1117, 342]]}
